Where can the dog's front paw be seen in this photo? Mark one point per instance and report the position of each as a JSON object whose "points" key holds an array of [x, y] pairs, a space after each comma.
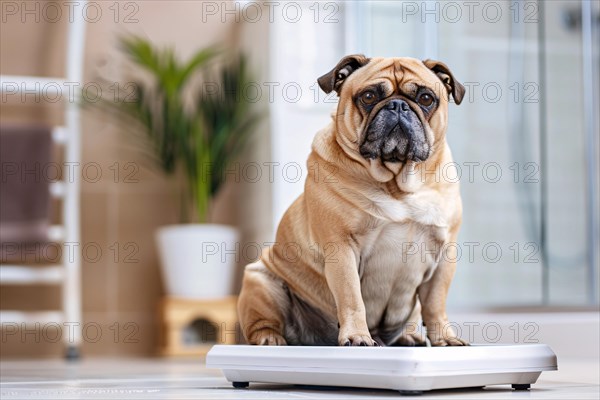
{"points": [[440, 334], [357, 339], [448, 341]]}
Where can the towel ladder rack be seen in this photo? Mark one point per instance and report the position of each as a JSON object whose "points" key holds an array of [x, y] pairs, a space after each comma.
{"points": [[67, 272]]}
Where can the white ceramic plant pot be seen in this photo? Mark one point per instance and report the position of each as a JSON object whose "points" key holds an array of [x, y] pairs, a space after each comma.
{"points": [[198, 260]]}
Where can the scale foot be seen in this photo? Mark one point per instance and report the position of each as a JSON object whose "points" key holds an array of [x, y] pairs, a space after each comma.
{"points": [[521, 386], [240, 385], [72, 353], [410, 392]]}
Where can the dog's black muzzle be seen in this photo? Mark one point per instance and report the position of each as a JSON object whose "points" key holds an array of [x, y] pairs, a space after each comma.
{"points": [[395, 134]]}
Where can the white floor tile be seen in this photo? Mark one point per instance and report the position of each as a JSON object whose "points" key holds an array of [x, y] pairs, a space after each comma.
{"points": [[189, 379]]}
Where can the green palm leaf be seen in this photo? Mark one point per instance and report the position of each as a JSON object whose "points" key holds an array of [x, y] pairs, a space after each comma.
{"points": [[213, 132]]}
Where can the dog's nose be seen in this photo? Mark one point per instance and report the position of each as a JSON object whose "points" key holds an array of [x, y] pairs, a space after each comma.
{"points": [[398, 105]]}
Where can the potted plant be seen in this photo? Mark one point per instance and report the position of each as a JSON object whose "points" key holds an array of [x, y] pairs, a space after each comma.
{"points": [[199, 139]]}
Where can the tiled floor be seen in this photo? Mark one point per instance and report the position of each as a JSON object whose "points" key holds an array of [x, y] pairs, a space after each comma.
{"points": [[189, 379]]}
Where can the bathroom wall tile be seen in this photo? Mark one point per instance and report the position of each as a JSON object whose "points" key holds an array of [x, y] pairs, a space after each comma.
{"points": [[96, 252]]}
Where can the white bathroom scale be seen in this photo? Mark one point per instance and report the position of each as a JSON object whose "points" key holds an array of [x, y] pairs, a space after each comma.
{"points": [[407, 369]]}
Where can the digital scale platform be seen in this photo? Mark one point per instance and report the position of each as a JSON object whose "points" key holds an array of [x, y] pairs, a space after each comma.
{"points": [[410, 370]]}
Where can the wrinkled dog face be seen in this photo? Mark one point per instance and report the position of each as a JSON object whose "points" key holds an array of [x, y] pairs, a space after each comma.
{"points": [[391, 110], [396, 124]]}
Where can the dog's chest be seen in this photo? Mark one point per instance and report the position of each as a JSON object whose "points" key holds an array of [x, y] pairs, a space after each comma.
{"points": [[405, 251], [403, 231], [400, 250], [395, 259]]}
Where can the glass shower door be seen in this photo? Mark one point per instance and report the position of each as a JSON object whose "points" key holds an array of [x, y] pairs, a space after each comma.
{"points": [[570, 39], [495, 136]]}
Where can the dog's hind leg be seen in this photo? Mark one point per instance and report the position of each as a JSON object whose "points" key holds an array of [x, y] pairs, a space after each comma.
{"points": [[262, 306], [404, 331]]}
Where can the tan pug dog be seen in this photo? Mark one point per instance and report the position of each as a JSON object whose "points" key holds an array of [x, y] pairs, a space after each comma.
{"points": [[363, 253]]}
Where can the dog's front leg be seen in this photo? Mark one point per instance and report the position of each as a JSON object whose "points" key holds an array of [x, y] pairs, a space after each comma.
{"points": [[432, 295], [341, 273]]}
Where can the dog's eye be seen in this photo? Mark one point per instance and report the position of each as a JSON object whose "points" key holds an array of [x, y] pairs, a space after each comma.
{"points": [[425, 100], [368, 97]]}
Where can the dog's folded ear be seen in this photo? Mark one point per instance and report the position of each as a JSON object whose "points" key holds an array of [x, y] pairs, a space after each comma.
{"points": [[333, 79], [452, 85]]}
